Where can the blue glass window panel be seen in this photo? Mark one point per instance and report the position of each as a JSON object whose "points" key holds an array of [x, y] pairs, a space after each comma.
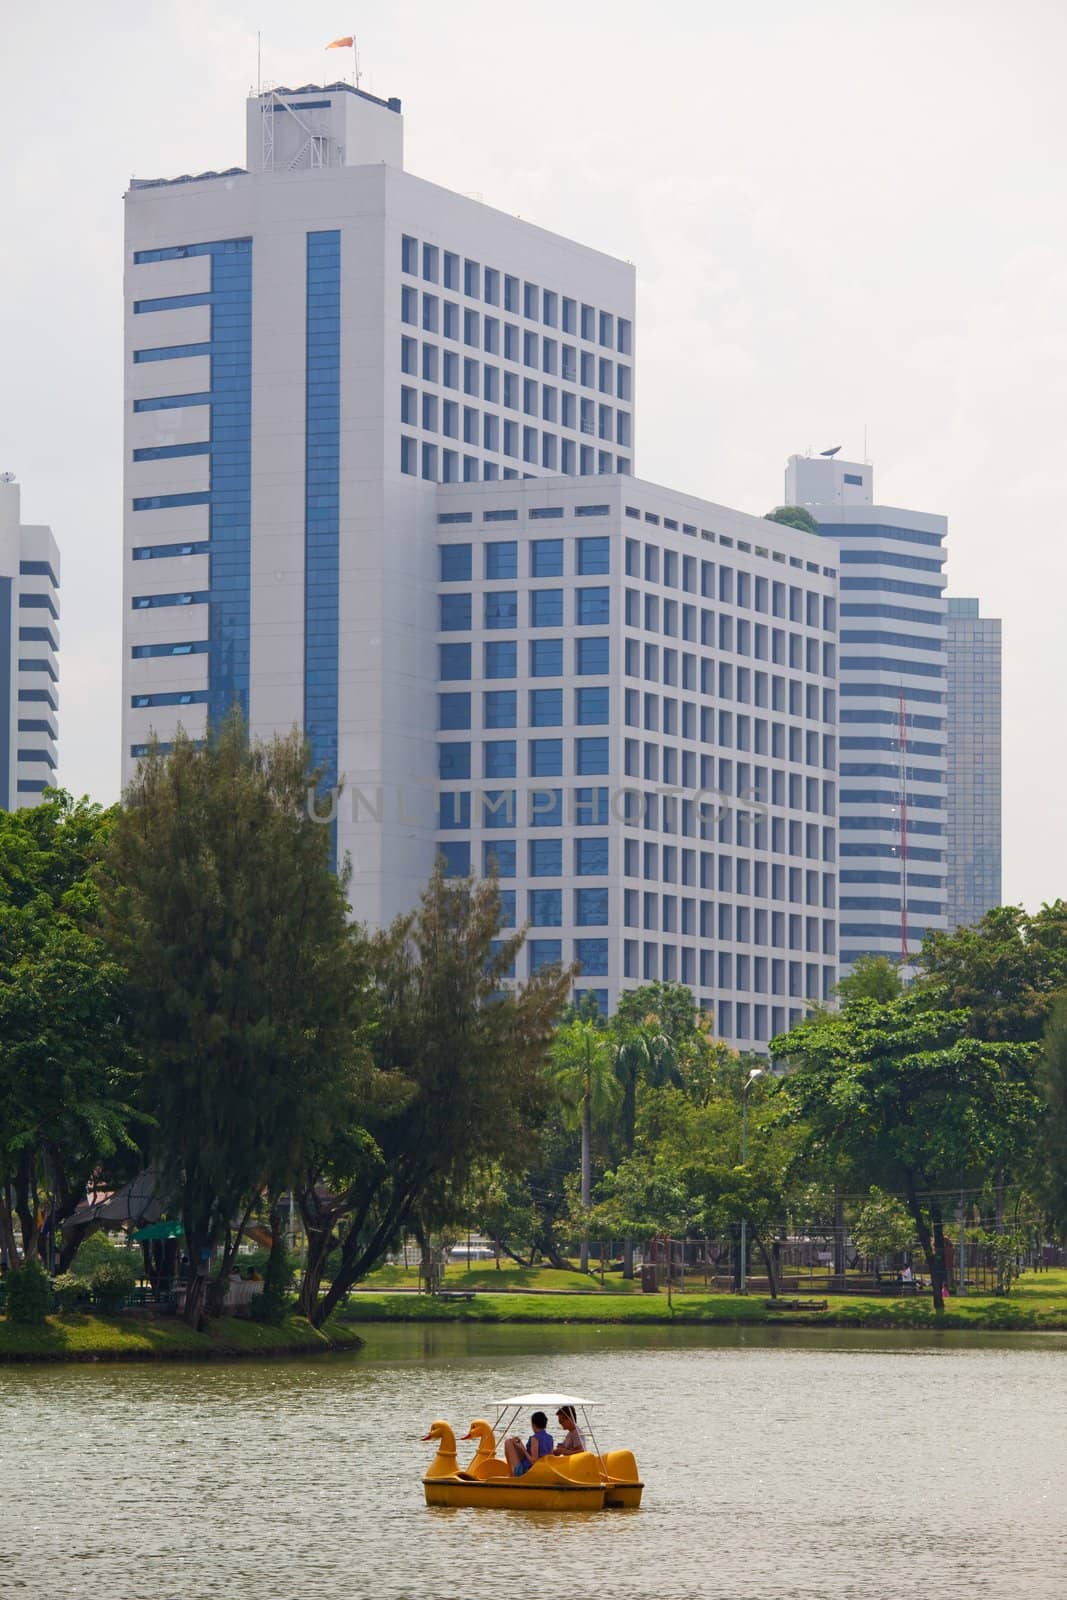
{"points": [[539, 513], [181, 252], [502, 609], [546, 858], [591, 756], [546, 608], [545, 907], [546, 808], [173, 352], [546, 758], [545, 953], [154, 602], [594, 555], [168, 502], [590, 808], [499, 856], [454, 661], [454, 710], [591, 858], [456, 854], [196, 647], [499, 708], [546, 708], [507, 909], [455, 613], [590, 907], [502, 559], [172, 302], [496, 947], [171, 697], [593, 607], [171, 402], [456, 564], [498, 808], [499, 758], [501, 658], [593, 956], [454, 761], [455, 810], [592, 656], [591, 706], [168, 452], [546, 557], [546, 658]]}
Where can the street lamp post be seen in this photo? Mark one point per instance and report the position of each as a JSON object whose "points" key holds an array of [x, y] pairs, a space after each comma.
{"points": [[757, 1072]]}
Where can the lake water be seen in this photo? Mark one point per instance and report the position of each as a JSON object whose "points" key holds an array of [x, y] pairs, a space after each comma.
{"points": [[793, 1464]]}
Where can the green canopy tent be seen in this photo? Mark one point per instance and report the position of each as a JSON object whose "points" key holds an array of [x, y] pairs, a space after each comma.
{"points": [[157, 1230]]}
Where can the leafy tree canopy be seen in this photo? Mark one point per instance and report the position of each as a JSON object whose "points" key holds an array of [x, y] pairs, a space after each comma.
{"points": [[793, 517], [1009, 969]]}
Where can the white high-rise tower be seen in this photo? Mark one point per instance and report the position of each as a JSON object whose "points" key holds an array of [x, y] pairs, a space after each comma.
{"points": [[29, 654]]}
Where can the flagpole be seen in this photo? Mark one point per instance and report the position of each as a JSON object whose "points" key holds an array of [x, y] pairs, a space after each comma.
{"points": [[355, 60]]}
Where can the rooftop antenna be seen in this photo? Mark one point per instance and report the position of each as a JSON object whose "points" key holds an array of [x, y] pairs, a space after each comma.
{"points": [[259, 62], [866, 457]]}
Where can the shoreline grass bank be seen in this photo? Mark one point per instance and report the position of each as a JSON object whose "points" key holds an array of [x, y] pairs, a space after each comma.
{"points": [[80, 1336]]}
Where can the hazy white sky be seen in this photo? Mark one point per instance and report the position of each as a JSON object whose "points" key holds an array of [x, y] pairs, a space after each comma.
{"points": [[844, 213]]}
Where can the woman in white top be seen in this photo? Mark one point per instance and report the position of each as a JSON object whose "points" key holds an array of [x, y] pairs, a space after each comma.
{"points": [[572, 1441]]}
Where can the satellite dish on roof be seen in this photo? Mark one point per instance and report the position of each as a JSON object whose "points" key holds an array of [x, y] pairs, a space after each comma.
{"points": [[7, 477], [832, 452]]}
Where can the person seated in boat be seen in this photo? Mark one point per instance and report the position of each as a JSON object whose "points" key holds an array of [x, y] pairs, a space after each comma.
{"points": [[572, 1441], [521, 1457]]}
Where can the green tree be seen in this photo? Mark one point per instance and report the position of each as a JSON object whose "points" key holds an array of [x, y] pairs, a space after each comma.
{"points": [[65, 1065], [793, 517], [464, 1057], [245, 980], [583, 1072], [914, 1103], [1052, 1084], [871, 978], [882, 1226], [1009, 969]]}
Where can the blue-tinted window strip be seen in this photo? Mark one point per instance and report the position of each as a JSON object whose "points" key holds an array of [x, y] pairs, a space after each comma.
{"points": [[29, 754], [171, 452], [172, 402], [878, 530], [5, 693], [152, 602], [903, 641], [890, 664], [153, 552], [37, 569], [171, 302], [38, 636], [193, 647], [32, 664], [166, 502], [32, 785], [38, 697], [172, 352], [322, 487], [179, 252], [173, 697], [37, 725], [38, 602]]}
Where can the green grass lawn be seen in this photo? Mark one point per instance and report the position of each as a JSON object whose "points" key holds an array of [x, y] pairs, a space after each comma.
{"points": [[80, 1336], [1038, 1301], [483, 1275]]}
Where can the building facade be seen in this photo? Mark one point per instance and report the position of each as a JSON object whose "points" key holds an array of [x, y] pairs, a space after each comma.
{"points": [[893, 793], [379, 466], [973, 659], [29, 654]]}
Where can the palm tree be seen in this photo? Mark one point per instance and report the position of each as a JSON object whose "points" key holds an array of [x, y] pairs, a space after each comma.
{"points": [[645, 1053], [583, 1072]]}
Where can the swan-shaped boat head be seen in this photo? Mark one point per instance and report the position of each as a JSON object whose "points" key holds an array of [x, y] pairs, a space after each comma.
{"points": [[444, 1463]]}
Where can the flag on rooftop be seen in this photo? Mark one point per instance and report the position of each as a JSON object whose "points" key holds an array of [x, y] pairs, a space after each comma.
{"points": [[341, 44]]}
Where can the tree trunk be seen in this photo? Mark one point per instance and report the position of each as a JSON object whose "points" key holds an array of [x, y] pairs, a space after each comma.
{"points": [[933, 1255], [319, 1233], [587, 1182], [999, 1225], [768, 1262], [8, 1250], [839, 1238], [940, 1269]]}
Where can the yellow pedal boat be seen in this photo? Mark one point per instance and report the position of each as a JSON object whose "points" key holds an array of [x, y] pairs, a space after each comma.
{"points": [[586, 1481]]}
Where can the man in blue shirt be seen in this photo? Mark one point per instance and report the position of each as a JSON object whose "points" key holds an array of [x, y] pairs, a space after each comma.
{"points": [[521, 1457]]}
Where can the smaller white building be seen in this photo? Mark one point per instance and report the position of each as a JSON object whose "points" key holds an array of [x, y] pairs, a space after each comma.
{"points": [[29, 652]]}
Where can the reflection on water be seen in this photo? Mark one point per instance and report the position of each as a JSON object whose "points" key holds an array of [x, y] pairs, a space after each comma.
{"points": [[794, 1464]]}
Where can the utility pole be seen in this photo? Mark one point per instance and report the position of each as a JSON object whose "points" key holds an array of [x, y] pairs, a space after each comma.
{"points": [[757, 1072]]}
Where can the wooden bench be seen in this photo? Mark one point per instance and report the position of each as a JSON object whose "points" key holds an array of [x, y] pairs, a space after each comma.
{"points": [[455, 1294], [795, 1305]]}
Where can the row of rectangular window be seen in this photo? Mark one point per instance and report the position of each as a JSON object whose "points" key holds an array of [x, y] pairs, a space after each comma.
{"points": [[484, 380], [739, 637], [666, 714], [534, 514], [483, 429], [731, 586], [562, 456], [513, 294], [500, 707], [500, 609], [500, 758], [545, 557]]}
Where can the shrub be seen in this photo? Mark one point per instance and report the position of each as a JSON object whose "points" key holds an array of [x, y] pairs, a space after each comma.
{"points": [[29, 1293], [69, 1289], [112, 1281], [94, 1252]]}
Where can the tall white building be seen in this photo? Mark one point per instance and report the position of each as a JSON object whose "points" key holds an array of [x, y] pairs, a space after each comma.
{"points": [[29, 654], [379, 485], [893, 785], [973, 652]]}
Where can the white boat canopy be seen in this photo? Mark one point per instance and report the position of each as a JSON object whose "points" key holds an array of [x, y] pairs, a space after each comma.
{"points": [[544, 1402]]}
